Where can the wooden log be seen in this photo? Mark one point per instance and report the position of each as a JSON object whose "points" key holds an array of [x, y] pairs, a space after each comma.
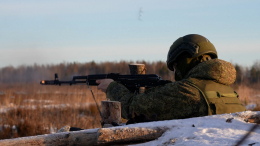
{"points": [[102, 136], [79, 138], [250, 118], [111, 111], [137, 69], [128, 135]]}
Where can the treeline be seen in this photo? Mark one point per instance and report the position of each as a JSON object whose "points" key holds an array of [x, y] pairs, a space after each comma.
{"points": [[35, 73], [248, 75]]}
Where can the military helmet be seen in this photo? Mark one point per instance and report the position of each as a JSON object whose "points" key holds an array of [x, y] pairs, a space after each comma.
{"points": [[193, 44]]}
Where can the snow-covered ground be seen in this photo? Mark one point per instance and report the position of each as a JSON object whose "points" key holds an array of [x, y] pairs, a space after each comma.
{"points": [[204, 131], [251, 106]]}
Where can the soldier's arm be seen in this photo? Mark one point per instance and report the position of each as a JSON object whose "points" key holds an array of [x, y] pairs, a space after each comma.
{"points": [[172, 101]]}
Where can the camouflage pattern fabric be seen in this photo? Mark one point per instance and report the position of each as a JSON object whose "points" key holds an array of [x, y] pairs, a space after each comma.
{"points": [[176, 100]]}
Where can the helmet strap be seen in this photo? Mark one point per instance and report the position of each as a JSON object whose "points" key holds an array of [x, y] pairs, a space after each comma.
{"points": [[178, 75]]}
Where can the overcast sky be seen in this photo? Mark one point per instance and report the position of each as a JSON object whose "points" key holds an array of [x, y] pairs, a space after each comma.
{"points": [[55, 31]]}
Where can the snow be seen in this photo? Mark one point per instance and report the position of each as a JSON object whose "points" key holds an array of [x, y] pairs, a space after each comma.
{"points": [[251, 106], [207, 131], [37, 101], [2, 93]]}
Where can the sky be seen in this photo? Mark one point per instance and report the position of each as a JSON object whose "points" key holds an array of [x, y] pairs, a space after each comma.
{"points": [[56, 31]]}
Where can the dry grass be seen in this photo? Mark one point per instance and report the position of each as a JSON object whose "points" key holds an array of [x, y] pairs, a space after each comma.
{"points": [[36, 109], [248, 95]]}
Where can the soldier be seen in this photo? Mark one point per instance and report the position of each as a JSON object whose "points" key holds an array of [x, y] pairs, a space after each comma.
{"points": [[201, 87]]}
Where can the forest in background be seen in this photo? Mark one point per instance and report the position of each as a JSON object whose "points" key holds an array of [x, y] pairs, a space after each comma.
{"points": [[35, 73], [249, 76]]}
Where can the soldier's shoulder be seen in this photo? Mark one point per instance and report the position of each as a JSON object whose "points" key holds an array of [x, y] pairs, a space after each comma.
{"points": [[216, 69]]}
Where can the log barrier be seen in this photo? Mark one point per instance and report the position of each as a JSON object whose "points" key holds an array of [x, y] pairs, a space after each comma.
{"points": [[101, 136]]}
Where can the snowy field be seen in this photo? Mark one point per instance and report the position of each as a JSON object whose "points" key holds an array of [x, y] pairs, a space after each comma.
{"points": [[4, 109], [201, 131], [205, 131]]}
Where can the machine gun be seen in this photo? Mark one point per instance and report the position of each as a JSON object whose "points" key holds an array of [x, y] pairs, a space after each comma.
{"points": [[132, 82]]}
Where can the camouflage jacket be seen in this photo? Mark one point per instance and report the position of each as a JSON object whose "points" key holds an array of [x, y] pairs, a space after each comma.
{"points": [[176, 100]]}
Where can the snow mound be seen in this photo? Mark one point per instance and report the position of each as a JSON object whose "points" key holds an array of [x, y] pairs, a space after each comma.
{"points": [[205, 131]]}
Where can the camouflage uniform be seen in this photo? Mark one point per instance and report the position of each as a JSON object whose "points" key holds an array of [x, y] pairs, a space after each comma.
{"points": [[176, 100]]}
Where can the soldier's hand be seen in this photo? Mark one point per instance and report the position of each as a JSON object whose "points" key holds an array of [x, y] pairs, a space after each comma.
{"points": [[103, 84]]}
